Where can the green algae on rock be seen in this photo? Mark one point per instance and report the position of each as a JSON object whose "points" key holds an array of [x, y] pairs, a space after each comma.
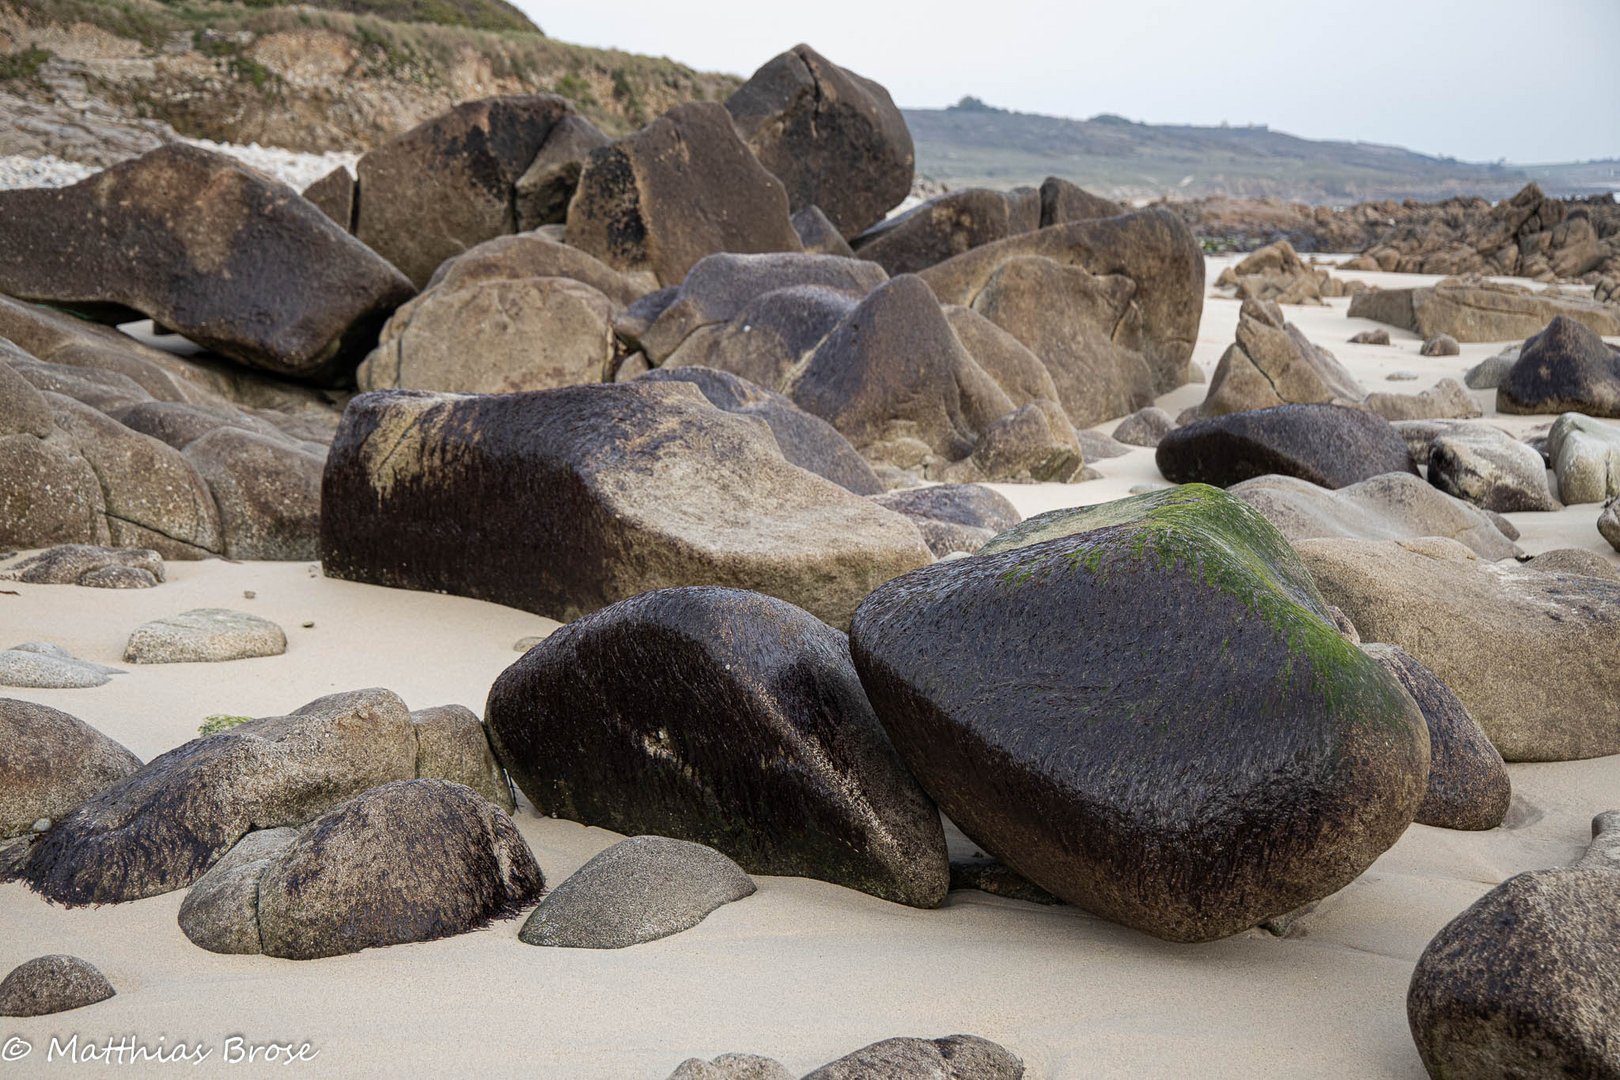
{"points": [[1144, 707]]}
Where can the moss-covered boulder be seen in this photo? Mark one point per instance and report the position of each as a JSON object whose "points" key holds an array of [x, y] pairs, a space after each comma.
{"points": [[1145, 708]]}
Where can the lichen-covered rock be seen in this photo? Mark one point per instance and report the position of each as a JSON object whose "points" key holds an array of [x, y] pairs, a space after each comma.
{"points": [[1566, 367], [1468, 784], [1529, 653], [412, 860], [638, 890], [204, 635], [52, 984], [1390, 506], [564, 501], [953, 517], [1328, 445], [208, 247], [833, 138], [682, 187], [89, 564], [51, 762], [954, 1057], [1585, 455], [1524, 984], [1180, 805], [745, 729]]}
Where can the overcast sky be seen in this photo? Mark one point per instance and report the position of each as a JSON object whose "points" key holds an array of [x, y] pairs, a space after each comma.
{"points": [[1475, 79]]}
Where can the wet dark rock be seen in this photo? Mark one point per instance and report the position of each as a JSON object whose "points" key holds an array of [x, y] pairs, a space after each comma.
{"points": [[1468, 784], [746, 729], [987, 685], [834, 139], [638, 890], [52, 984], [1328, 445], [1524, 984], [818, 235], [946, 226], [51, 762], [542, 193], [996, 878], [616, 489], [1566, 367], [229, 258], [953, 517]]}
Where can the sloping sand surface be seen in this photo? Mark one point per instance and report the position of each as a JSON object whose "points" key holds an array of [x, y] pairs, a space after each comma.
{"points": [[802, 971]]}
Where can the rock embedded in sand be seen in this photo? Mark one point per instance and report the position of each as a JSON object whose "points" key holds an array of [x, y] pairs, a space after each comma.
{"points": [[207, 635], [1524, 983], [412, 860], [163, 826], [1440, 345], [1566, 367], [1468, 784], [1490, 469], [953, 517], [1329, 445], [1529, 653], [616, 489], [1390, 506], [1273, 363], [954, 1057], [1585, 455], [732, 1067], [37, 665], [51, 762], [1608, 523], [89, 565], [637, 203], [1174, 797], [745, 729], [638, 890], [1371, 337], [834, 139], [233, 260], [1145, 427], [1473, 309], [52, 984]]}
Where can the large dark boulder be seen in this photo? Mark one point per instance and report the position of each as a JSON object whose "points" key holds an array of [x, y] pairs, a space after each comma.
{"points": [[744, 727], [1564, 368], [450, 182], [805, 440], [1328, 445], [681, 188], [1525, 984], [834, 139], [1258, 762], [210, 248], [948, 225], [564, 501]]}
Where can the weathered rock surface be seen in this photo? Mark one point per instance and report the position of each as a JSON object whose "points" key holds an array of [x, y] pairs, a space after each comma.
{"points": [[1524, 983], [1468, 784], [1565, 367], [542, 193], [1489, 468], [52, 984], [204, 635], [333, 195], [953, 517], [946, 226], [268, 493], [412, 860], [449, 183], [1440, 345], [39, 665], [1273, 363], [1585, 455], [1528, 653], [989, 693], [682, 187], [1328, 445], [818, 235], [746, 730], [954, 1057], [1276, 273], [90, 565], [638, 890], [1145, 427], [620, 488], [1472, 309], [51, 762], [1489, 373], [163, 826], [229, 258], [1391, 506], [833, 138], [732, 1067], [1448, 399]]}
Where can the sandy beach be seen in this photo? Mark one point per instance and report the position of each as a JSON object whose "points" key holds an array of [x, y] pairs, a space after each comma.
{"points": [[803, 971]]}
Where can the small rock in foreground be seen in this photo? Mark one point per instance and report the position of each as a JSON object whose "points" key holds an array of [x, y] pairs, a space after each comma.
{"points": [[52, 984]]}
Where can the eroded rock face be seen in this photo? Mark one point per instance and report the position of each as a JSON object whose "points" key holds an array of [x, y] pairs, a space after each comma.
{"points": [[412, 860], [1490, 469], [226, 256], [746, 730], [52, 984], [51, 762], [1529, 653], [991, 694], [1468, 784], [1273, 363], [1565, 367], [449, 183], [1328, 445], [163, 826], [634, 208], [1111, 306], [833, 138], [1524, 983], [638, 890], [1472, 309], [620, 489]]}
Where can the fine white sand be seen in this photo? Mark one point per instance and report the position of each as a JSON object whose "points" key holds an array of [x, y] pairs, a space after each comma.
{"points": [[803, 971]]}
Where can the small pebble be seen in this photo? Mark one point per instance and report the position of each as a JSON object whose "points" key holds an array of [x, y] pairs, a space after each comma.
{"points": [[1401, 376], [524, 644], [248, 594], [309, 625], [42, 825]]}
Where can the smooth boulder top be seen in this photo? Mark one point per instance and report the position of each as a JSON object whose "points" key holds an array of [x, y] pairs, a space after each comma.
{"points": [[1585, 454], [51, 762], [52, 984], [207, 635], [638, 890], [233, 260], [745, 729], [1173, 797], [1329, 445]]}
